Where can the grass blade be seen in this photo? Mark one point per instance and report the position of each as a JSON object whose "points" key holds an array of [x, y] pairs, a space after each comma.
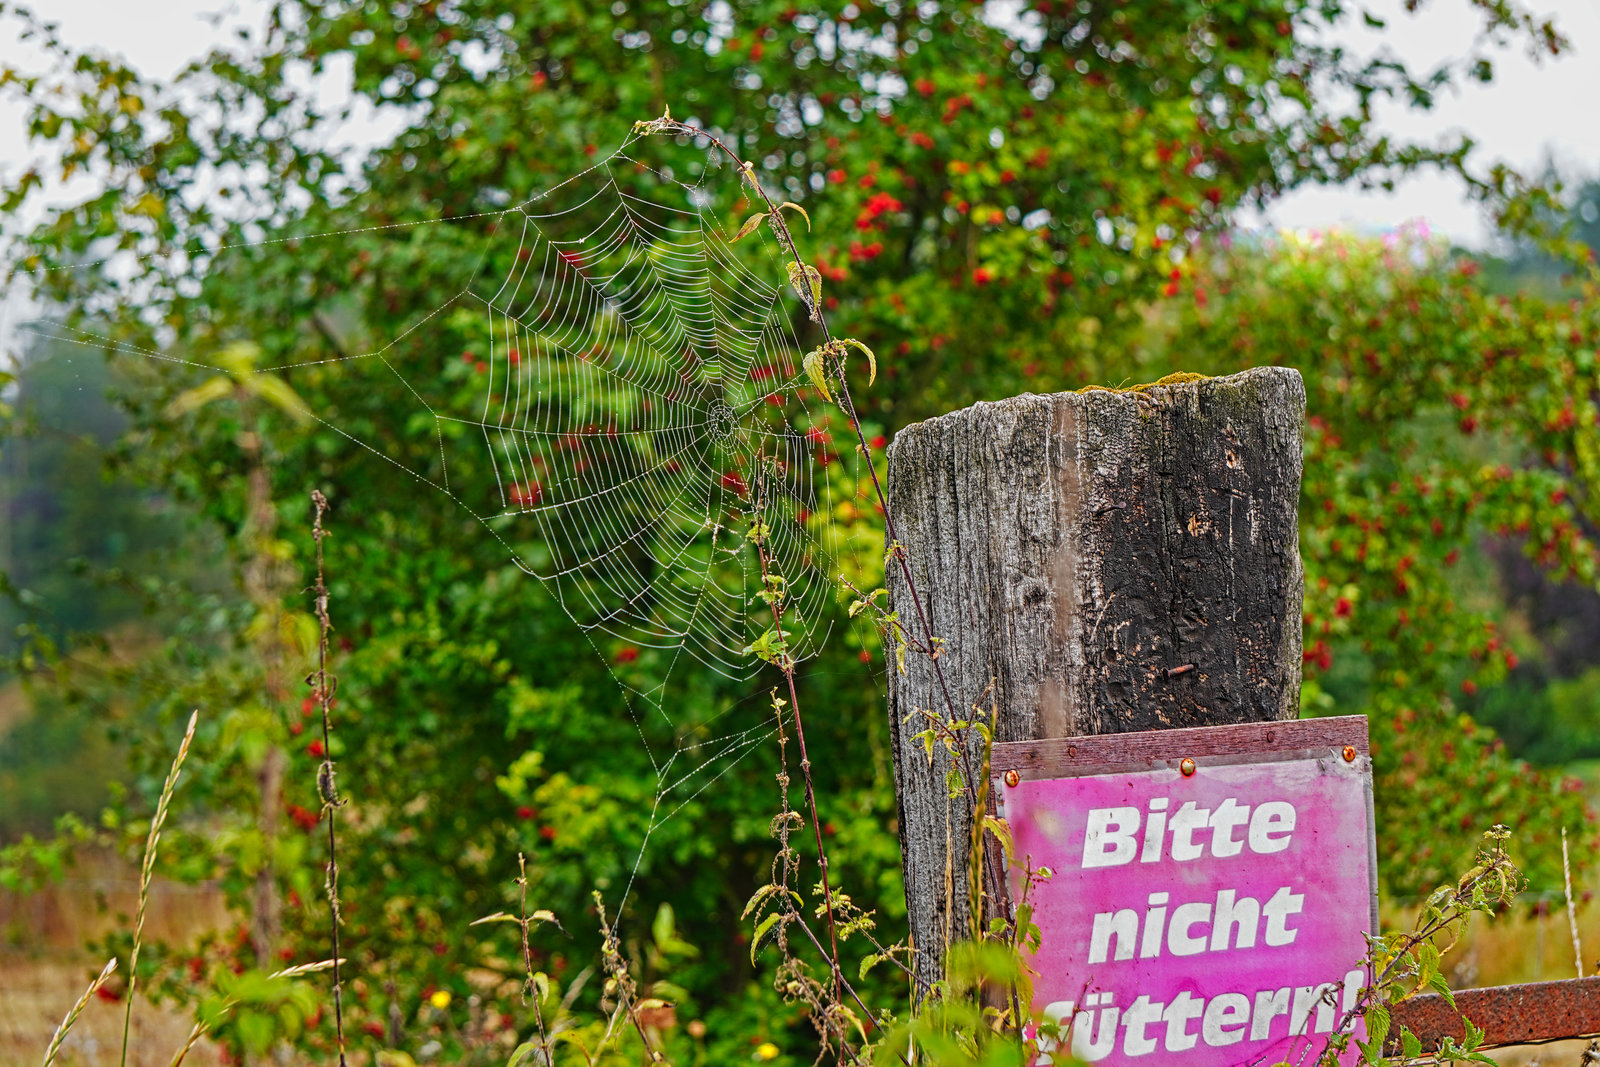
{"points": [[147, 870], [77, 1010]]}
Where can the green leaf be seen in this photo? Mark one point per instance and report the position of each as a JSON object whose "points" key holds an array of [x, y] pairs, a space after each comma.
{"points": [[817, 371], [1441, 985], [665, 925], [497, 917], [797, 207], [523, 1051], [807, 281], [750, 225], [764, 928], [760, 894], [1410, 1044], [872, 360], [1377, 1023]]}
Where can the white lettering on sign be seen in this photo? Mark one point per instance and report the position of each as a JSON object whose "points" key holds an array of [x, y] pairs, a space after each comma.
{"points": [[1195, 927], [1090, 1031], [1212, 919], [1115, 835]]}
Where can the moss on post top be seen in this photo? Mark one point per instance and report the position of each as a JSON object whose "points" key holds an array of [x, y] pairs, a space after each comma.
{"points": [[1181, 377]]}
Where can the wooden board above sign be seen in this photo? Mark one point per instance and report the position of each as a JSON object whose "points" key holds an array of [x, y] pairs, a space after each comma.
{"points": [[1209, 891]]}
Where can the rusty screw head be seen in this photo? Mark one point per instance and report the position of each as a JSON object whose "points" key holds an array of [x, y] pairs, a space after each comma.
{"points": [[1187, 767], [1349, 753], [1012, 778]]}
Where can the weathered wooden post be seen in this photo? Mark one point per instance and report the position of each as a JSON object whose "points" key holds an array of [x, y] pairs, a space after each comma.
{"points": [[1106, 561]]}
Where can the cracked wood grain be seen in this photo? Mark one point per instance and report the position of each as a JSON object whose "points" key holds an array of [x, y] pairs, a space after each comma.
{"points": [[1075, 552]]}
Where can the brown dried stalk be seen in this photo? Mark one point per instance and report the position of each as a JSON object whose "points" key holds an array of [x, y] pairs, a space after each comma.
{"points": [[327, 787]]}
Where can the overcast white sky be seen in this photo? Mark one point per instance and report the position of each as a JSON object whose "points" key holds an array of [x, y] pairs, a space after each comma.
{"points": [[1530, 111]]}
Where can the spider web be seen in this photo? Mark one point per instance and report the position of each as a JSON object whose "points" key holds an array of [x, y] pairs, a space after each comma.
{"points": [[633, 406], [639, 408]]}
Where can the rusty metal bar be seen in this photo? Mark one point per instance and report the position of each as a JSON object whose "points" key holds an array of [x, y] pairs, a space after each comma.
{"points": [[1507, 1014]]}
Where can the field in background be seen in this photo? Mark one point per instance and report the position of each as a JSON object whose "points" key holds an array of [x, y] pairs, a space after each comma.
{"points": [[45, 966]]}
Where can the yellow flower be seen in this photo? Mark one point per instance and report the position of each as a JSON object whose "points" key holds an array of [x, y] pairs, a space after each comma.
{"points": [[766, 1051], [441, 1000]]}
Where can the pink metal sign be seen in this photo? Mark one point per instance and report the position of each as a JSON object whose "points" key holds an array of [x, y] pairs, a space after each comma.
{"points": [[1210, 888]]}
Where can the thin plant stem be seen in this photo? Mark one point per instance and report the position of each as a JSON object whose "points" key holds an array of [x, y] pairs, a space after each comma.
{"points": [[786, 663], [532, 989], [1572, 908], [611, 954], [326, 784], [847, 405], [77, 1010], [147, 871], [782, 866]]}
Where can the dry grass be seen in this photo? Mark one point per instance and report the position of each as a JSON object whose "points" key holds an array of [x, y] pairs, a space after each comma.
{"points": [[44, 966]]}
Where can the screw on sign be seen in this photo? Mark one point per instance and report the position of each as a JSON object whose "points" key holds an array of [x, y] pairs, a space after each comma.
{"points": [[1212, 890]]}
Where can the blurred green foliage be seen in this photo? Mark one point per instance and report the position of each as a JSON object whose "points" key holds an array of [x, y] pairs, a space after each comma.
{"points": [[88, 556], [999, 205]]}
